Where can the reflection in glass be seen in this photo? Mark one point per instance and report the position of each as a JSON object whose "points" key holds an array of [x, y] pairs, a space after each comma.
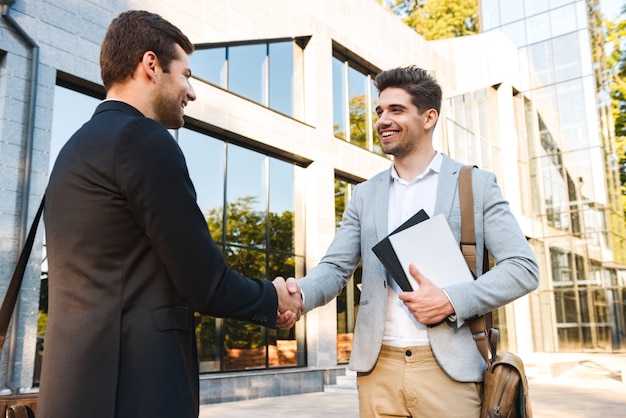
{"points": [[542, 59], [562, 272], [282, 344], [247, 71], [512, 11], [563, 20], [516, 31], [246, 197], [228, 344], [340, 99], [244, 342], [376, 146], [210, 65], [281, 206], [567, 58], [538, 28], [205, 161], [350, 297], [206, 341], [358, 99], [490, 17], [281, 62], [263, 73]]}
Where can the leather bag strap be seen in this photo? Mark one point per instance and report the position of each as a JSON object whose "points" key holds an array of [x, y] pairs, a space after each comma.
{"points": [[479, 326], [13, 290]]}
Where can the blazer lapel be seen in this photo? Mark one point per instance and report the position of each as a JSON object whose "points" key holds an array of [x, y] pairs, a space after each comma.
{"points": [[381, 203], [446, 189]]}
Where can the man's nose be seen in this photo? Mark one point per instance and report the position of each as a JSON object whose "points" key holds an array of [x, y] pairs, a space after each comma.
{"points": [[191, 93]]}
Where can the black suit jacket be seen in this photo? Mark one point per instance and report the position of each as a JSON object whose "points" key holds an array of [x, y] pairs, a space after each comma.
{"points": [[130, 258]]}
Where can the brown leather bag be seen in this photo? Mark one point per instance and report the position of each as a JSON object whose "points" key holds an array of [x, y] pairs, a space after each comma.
{"points": [[21, 405], [505, 387]]}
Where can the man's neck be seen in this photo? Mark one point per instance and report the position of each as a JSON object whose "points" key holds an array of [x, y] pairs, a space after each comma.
{"points": [[414, 164]]}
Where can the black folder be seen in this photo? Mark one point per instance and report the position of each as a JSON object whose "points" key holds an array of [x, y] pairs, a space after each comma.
{"points": [[385, 253]]}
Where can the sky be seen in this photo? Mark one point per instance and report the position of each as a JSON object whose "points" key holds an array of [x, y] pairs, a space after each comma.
{"points": [[611, 8]]}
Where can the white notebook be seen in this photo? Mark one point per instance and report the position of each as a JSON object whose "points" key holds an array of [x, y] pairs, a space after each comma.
{"points": [[430, 246]]}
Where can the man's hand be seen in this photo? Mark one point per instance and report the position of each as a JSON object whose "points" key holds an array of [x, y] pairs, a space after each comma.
{"points": [[428, 304], [290, 305]]}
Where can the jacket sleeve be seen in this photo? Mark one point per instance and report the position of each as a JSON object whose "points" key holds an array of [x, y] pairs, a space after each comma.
{"points": [[516, 272], [152, 175]]}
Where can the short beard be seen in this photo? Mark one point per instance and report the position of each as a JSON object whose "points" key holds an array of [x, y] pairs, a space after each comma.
{"points": [[399, 150]]}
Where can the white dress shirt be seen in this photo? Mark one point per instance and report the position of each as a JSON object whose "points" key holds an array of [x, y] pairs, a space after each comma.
{"points": [[406, 199]]}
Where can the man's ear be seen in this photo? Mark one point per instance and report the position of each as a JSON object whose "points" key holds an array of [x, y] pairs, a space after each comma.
{"points": [[150, 64], [431, 119]]}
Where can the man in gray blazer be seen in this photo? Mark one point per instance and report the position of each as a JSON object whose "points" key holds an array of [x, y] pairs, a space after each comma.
{"points": [[413, 351], [129, 252]]}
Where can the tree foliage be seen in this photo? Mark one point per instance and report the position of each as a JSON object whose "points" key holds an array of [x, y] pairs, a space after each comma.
{"points": [[439, 19], [616, 40], [247, 234]]}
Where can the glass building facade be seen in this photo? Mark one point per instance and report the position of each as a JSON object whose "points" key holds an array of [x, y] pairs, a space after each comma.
{"points": [[282, 130], [576, 211]]}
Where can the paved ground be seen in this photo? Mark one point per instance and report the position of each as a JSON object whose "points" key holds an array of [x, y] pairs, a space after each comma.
{"points": [[592, 387]]}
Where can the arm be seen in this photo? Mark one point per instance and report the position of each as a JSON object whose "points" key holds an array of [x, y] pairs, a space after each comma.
{"points": [[516, 272], [326, 280], [153, 178]]}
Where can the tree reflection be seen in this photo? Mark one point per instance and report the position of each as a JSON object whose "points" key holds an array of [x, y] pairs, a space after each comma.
{"points": [[248, 231]]}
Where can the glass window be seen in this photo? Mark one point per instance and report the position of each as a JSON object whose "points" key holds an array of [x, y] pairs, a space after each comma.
{"points": [[260, 209], [572, 114], [281, 77], [516, 32], [358, 99], [557, 3], [340, 99], [349, 299], [490, 14], [205, 162], [281, 207], [247, 71], [567, 57], [262, 72], [246, 173], [377, 145], [210, 65], [562, 271], [566, 307], [538, 28], [353, 105], [534, 7], [563, 20], [542, 58], [512, 11]]}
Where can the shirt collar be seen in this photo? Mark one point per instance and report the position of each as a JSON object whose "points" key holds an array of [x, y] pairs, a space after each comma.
{"points": [[433, 167]]}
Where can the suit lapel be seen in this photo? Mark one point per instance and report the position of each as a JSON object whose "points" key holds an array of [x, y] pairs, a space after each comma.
{"points": [[381, 203], [446, 188]]}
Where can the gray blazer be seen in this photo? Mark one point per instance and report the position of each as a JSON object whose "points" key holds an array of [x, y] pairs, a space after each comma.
{"points": [[365, 224]]}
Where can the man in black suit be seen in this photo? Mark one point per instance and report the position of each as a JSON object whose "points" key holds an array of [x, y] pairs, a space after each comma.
{"points": [[130, 255]]}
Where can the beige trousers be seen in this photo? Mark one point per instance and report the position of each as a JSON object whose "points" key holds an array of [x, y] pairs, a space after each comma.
{"points": [[408, 382]]}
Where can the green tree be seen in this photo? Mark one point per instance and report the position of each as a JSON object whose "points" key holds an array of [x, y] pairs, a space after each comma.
{"points": [[616, 40], [439, 19], [247, 233]]}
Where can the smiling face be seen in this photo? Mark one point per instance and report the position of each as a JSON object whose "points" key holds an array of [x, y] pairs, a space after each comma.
{"points": [[400, 126], [174, 92]]}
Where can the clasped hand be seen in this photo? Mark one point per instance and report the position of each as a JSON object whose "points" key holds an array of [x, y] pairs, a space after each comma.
{"points": [[428, 304], [290, 304]]}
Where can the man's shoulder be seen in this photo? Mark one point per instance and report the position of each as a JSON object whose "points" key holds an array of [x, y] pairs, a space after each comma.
{"points": [[378, 177]]}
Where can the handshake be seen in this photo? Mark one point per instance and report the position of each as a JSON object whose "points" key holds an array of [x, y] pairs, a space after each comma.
{"points": [[290, 303]]}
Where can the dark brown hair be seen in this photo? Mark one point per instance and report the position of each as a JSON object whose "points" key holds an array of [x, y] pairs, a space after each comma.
{"points": [[424, 90], [130, 36]]}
